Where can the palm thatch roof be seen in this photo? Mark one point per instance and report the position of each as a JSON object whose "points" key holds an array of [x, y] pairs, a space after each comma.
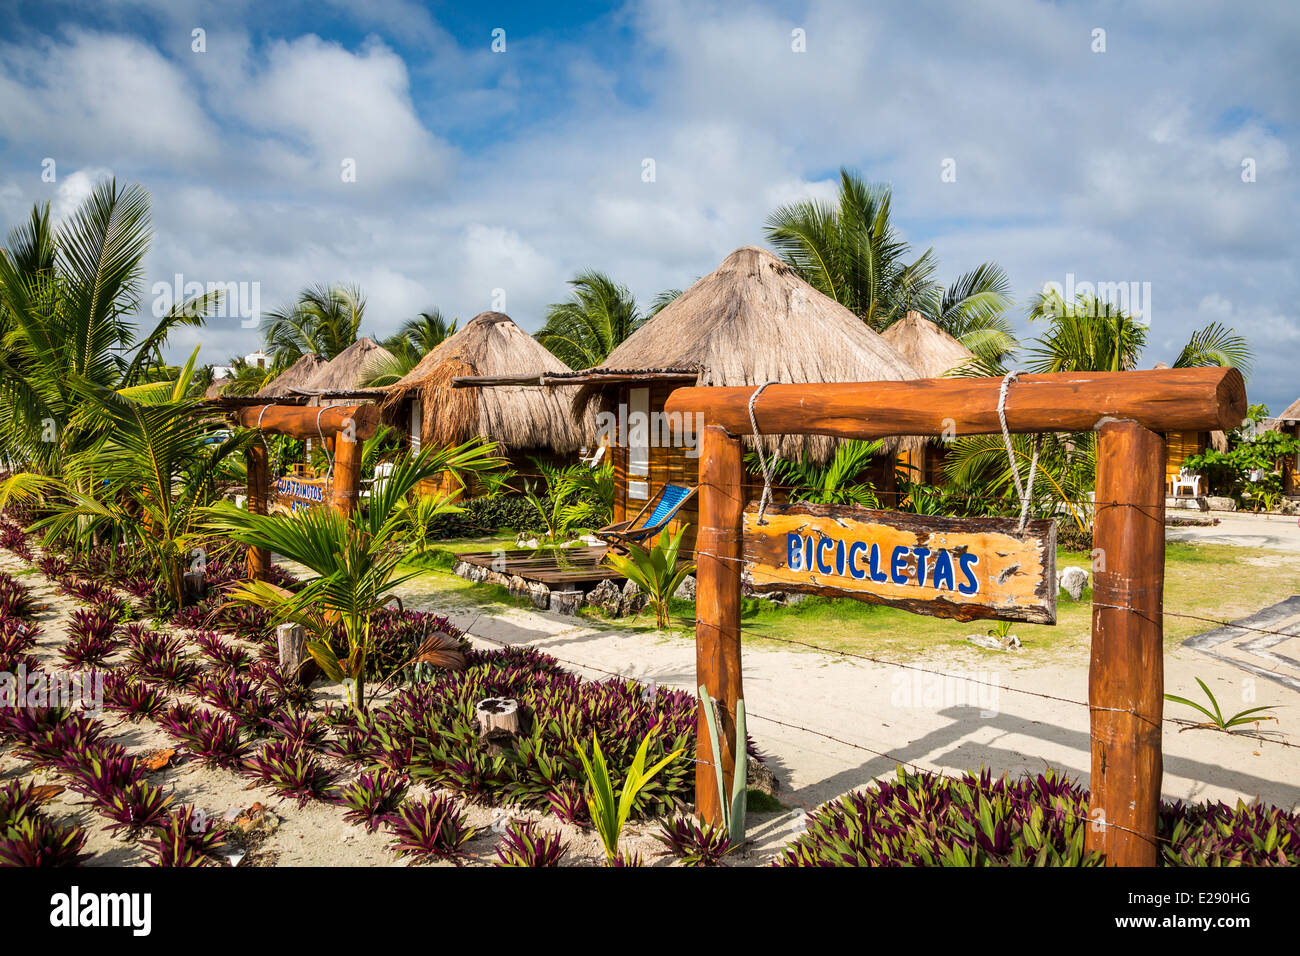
{"points": [[293, 377], [1290, 414], [753, 320], [517, 417], [348, 371], [926, 347]]}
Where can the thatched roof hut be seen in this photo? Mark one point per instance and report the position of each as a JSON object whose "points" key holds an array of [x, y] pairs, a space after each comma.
{"points": [[293, 377], [346, 374], [754, 320], [926, 347], [1290, 415], [517, 417]]}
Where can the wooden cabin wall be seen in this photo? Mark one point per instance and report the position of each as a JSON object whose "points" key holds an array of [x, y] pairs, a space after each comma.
{"points": [[1179, 446], [1291, 464]]}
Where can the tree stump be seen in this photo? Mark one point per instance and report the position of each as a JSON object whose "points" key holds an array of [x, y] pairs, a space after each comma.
{"points": [[195, 584], [566, 602], [291, 641], [499, 722]]}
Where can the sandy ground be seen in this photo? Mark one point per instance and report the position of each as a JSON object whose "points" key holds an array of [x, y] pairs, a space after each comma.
{"points": [[885, 714], [1266, 532], [280, 832]]}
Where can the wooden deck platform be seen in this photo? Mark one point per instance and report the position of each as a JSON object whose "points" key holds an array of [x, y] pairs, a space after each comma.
{"points": [[557, 568]]}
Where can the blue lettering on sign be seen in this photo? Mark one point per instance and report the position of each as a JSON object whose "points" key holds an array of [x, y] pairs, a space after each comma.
{"points": [[860, 560]]}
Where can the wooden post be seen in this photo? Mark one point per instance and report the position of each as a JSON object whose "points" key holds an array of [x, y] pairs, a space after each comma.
{"points": [[717, 624], [347, 473], [259, 559], [1126, 675]]}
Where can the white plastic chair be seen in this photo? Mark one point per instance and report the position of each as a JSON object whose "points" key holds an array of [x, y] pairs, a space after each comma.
{"points": [[382, 472], [594, 459], [1188, 480]]}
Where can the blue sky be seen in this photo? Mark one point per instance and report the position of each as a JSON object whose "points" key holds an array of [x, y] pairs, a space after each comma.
{"points": [[479, 172]]}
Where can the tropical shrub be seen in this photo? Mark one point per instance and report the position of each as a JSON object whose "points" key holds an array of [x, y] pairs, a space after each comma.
{"points": [[924, 819], [373, 797], [655, 571], [610, 811]]}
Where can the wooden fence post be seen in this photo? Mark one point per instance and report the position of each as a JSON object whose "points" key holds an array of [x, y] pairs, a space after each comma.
{"points": [[1126, 674], [717, 623], [347, 473], [259, 559]]}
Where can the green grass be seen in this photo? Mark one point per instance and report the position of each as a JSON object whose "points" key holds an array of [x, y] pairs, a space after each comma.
{"points": [[1214, 581]]}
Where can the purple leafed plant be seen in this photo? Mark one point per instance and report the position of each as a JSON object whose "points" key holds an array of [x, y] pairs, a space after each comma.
{"points": [[17, 635], [299, 728], [283, 688], [372, 797], [136, 807], [163, 659], [15, 599], [695, 845], [52, 566], [434, 827], [222, 654], [289, 770], [38, 841], [523, 845], [19, 799], [101, 772], [237, 696], [88, 592], [75, 738], [186, 838], [90, 638], [133, 699], [567, 802], [214, 739]]}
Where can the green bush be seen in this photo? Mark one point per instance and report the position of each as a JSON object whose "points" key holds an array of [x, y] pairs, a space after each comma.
{"points": [[487, 515]]}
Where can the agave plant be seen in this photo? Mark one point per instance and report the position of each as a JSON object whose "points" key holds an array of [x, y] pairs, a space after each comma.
{"points": [[655, 571], [355, 560]]}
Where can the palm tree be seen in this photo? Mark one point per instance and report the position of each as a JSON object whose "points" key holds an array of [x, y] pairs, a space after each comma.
{"points": [[67, 301], [851, 252], [324, 319], [355, 558], [150, 478], [1087, 335], [597, 318], [412, 342]]}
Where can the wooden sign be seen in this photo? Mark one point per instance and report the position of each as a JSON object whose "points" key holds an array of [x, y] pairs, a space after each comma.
{"points": [[295, 494], [962, 568]]}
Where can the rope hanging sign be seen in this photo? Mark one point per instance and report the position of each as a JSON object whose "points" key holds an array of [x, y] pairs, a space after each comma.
{"points": [[961, 568]]}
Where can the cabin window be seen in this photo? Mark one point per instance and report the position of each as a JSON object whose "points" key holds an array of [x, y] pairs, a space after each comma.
{"points": [[638, 434], [417, 423]]}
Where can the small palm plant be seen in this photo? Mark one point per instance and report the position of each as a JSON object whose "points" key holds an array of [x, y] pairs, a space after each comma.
{"points": [[1215, 715], [355, 559], [837, 482], [610, 811], [657, 571]]}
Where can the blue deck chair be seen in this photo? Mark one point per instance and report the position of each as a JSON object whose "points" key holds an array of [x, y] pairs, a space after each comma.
{"points": [[662, 507]]}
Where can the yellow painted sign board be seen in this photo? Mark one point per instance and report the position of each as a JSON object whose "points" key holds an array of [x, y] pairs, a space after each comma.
{"points": [[962, 568]]}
